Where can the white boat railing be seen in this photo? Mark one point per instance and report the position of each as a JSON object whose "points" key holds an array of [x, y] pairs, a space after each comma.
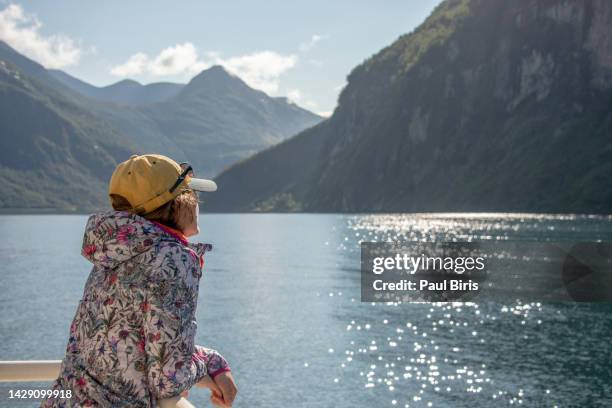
{"points": [[48, 370]]}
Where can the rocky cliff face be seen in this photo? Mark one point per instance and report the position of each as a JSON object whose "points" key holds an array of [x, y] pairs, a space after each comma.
{"points": [[490, 105]]}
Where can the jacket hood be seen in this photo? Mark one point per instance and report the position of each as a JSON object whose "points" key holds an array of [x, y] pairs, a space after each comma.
{"points": [[114, 237]]}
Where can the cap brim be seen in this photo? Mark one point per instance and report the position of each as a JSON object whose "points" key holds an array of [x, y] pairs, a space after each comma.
{"points": [[199, 184]]}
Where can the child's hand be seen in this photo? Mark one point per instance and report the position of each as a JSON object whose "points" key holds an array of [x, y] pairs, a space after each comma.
{"points": [[223, 389], [217, 400], [228, 389]]}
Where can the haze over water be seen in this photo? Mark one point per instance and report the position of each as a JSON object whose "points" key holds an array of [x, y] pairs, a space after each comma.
{"points": [[280, 299]]}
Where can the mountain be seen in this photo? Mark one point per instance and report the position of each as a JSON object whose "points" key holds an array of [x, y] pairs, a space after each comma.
{"points": [[211, 122], [27, 67], [235, 120], [214, 121], [489, 105], [53, 153], [125, 92]]}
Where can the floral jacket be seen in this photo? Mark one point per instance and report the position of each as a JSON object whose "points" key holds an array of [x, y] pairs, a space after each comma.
{"points": [[131, 342]]}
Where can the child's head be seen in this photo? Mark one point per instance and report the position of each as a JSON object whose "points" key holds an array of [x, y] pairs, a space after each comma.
{"points": [[180, 213], [159, 189]]}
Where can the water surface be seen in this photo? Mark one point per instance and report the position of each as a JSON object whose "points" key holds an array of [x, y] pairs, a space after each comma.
{"points": [[280, 300]]}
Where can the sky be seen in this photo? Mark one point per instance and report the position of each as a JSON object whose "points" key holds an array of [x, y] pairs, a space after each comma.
{"points": [[300, 49]]}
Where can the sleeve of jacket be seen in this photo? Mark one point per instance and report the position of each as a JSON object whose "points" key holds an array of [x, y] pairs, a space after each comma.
{"points": [[173, 362], [215, 363]]}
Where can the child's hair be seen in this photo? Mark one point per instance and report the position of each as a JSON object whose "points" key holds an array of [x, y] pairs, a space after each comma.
{"points": [[177, 213]]}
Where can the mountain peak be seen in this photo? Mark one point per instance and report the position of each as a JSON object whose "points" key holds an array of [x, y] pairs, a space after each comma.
{"points": [[217, 69], [215, 73], [124, 83], [215, 80]]}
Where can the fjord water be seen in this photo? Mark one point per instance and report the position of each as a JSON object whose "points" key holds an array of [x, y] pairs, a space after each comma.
{"points": [[280, 299]]}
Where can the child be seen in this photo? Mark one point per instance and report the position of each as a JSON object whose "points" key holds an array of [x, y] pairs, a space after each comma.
{"points": [[131, 342]]}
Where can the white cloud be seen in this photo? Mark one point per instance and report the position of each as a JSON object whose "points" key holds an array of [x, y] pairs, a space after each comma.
{"points": [[294, 95], [135, 65], [314, 39], [261, 70], [22, 32], [176, 60], [325, 114]]}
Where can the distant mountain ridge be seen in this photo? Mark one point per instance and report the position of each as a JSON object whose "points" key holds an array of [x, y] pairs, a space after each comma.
{"points": [[489, 105], [53, 153], [127, 91], [215, 120], [70, 154]]}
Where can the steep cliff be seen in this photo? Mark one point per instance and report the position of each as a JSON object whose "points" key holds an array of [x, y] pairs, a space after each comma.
{"points": [[489, 105]]}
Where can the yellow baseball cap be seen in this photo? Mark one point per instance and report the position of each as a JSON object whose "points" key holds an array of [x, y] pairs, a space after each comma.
{"points": [[149, 181]]}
